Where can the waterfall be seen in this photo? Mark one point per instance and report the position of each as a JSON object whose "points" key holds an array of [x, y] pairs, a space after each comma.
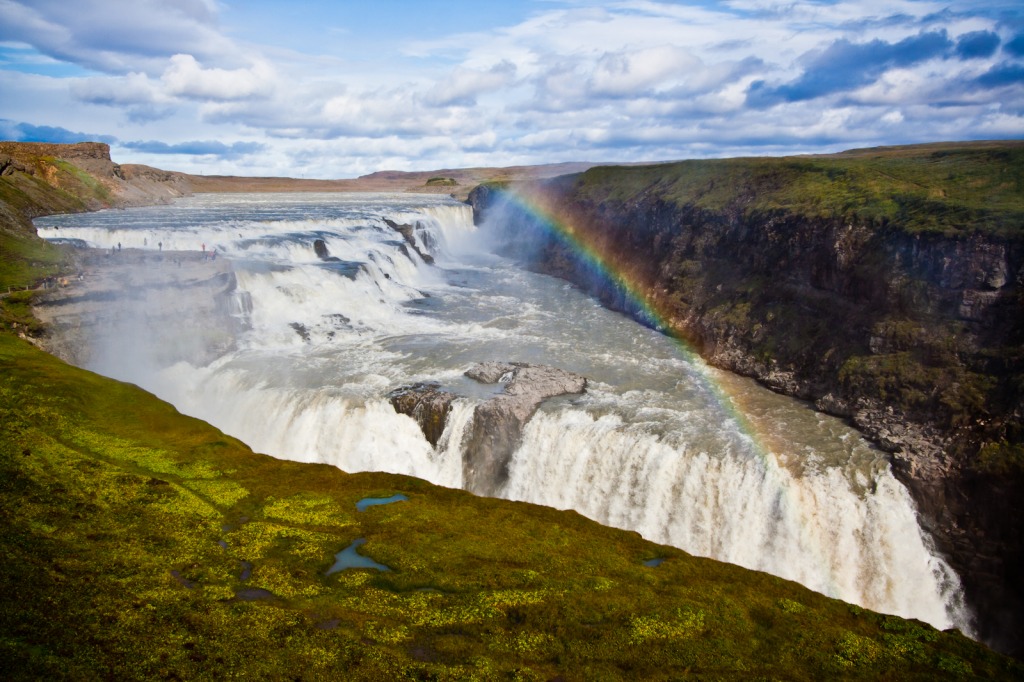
{"points": [[816, 529]]}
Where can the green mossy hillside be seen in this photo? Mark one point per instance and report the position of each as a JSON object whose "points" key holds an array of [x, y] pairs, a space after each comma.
{"points": [[26, 260], [943, 188], [142, 544]]}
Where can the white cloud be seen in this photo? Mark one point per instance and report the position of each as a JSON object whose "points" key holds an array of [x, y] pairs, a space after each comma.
{"points": [[185, 77], [579, 79], [130, 89], [115, 36], [621, 74], [464, 85]]}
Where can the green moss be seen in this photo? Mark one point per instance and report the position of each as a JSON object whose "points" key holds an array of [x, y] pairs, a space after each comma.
{"points": [[308, 509], [88, 184], [1000, 459], [916, 385], [26, 260], [442, 182]]}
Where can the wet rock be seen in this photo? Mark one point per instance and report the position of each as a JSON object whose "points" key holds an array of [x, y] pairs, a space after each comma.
{"points": [[301, 330], [320, 248], [428, 404], [409, 233], [498, 423]]}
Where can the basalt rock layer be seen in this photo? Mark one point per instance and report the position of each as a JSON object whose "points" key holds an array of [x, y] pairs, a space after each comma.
{"points": [[428, 404], [885, 285]]}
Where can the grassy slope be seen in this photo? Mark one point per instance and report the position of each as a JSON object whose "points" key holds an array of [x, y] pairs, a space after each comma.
{"points": [[113, 505], [942, 188]]}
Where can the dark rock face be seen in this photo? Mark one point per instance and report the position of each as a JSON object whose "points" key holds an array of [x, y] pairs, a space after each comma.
{"points": [[428, 404], [320, 248], [498, 423], [481, 198], [914, 337]]}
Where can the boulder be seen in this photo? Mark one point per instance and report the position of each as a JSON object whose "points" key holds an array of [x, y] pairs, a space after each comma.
{"points": [[320, 248], [428, 404]]}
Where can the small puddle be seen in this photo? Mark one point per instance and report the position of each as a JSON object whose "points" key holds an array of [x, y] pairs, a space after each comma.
{"points": [[654, 562], [350, 558], [367, 502], [255, 594]]}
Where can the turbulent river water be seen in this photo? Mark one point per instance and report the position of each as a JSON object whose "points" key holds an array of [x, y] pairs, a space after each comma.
{"points": [[660, 442]]}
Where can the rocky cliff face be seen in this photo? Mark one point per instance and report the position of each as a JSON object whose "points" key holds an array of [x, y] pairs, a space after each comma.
{"points": [[915, 335], [40, 179]]}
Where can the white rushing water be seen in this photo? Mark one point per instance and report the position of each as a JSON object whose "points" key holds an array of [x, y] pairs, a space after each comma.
{"points": [[660, 443]]}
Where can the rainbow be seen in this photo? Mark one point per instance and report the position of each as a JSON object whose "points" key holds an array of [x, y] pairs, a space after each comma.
{"points": [[563, 229], [587, 250]]}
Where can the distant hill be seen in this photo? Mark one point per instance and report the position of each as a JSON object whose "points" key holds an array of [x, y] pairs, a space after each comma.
{"points": [[388, 181]]}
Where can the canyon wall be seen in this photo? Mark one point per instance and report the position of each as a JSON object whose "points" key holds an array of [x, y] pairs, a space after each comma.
{"points": [[886, 286]]}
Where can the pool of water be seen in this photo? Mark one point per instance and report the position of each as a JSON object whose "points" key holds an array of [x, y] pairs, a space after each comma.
{"points": [[367, 502], [351, 558]]}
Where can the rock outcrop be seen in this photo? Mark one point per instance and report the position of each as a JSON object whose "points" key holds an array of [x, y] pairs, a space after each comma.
{"points": [[498, 422], [497, 427], [408, 232], [428, 404], [323, 253], [902, 311]]}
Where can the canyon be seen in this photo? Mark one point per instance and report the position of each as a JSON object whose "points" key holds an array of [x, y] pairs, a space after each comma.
{"points": [[885, 286], [901, 314]]}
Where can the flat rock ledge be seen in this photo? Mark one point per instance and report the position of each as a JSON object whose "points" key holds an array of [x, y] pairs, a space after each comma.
{"points": [[498, 422]]}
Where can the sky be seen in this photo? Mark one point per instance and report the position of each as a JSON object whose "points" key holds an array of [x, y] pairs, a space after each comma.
{"points": [[341, 88]]}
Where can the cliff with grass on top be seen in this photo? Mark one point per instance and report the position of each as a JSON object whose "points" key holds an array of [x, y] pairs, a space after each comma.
{"points": [[886, 285], [39, 179]]}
